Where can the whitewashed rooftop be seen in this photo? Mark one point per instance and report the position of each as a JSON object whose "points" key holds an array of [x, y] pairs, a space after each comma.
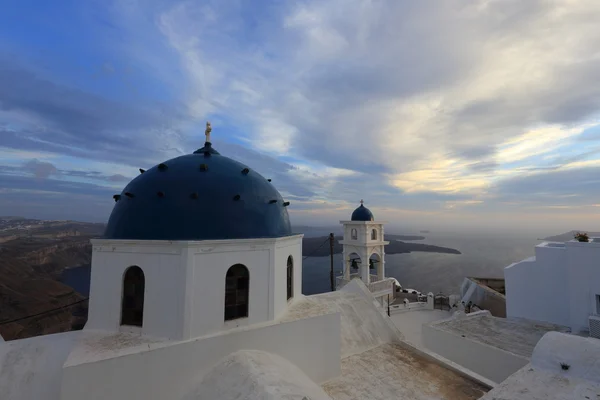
{"points": [[251, 374], [376, 365], [362, 326], [545, 379], [411, 322], [517, 336], [393, 372]]}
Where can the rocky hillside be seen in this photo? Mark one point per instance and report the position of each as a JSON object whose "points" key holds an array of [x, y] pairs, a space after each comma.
{"points": [[29, 272]]}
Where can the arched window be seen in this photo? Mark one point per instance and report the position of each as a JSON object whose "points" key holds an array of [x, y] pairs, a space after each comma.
{"points": [[237, 282], [132, 302], [353, 234], [374, 234], [290, 277]]}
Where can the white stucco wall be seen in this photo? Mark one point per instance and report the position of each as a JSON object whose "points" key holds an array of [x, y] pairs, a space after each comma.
{"points": [[560, 285], [31, 369], [490, 362], [164, 294], [209, 271], [583, 261], [284, 249], [256, 375], [536, 288], [185, 282], [364, 247], [266, 260], [312, 344]]}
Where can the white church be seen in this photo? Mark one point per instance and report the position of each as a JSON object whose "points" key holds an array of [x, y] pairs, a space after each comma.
{"points": [[196, 293]]}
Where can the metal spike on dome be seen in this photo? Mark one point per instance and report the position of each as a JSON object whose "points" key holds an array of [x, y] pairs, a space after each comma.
{"points": [[272, 201], [245, 171], [162, 167], [117, 197], [142, 170], [203, 167], [160, 194], [269, 180], [286, 203], [128, 194], [236, 197], [194, 195]]}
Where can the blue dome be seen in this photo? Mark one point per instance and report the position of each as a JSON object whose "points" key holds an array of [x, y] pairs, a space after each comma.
{"points": [[199, 196], [362, 213]]}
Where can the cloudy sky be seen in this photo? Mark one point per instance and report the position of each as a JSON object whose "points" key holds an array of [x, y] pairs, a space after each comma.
{"points": [[458, 113]]}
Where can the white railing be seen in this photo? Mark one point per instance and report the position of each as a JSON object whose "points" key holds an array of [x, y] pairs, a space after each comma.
{"points": [[385, 285]]}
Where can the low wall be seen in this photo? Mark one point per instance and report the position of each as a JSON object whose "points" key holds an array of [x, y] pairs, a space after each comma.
{"points": [[312, 344], [400, 308], [382, 287], [490, 362]]}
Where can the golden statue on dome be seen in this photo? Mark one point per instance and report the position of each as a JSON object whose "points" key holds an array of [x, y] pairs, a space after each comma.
{"points": [[208, 131]]}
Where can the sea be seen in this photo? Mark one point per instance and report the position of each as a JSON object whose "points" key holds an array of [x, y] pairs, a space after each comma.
{"points": [[483, 255]]}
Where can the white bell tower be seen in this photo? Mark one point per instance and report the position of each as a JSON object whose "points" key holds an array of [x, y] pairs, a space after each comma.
{"points": [[363, 247]]}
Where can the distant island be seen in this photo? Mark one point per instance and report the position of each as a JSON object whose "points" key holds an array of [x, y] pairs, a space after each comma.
{"points": [[312, 246], [403, 237]]}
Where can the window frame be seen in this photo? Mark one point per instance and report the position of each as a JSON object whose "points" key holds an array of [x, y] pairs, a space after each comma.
{"points": [[133, 315], [237, 293], [290, 278]]}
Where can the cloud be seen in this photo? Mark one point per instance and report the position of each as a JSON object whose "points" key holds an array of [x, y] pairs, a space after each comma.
{"points": [[40, 169], [350, 89], [416, 106], [59, 119], [118, 178], [566, 186]]}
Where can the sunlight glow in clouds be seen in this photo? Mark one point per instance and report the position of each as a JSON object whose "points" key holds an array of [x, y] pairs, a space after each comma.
{"points": [[416, 107]]}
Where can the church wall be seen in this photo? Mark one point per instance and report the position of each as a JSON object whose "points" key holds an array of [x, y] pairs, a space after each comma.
{"points": [[163, 299], [210, 269], [312, 344], [284, 249]]}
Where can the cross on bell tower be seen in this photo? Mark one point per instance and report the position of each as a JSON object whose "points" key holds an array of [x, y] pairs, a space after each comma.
{"points": [[363, 247]]}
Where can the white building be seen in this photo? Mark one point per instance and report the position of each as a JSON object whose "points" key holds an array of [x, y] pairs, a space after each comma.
{"points": [[560, 284]]}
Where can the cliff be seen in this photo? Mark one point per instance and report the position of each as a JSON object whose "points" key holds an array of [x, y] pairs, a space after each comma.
{"points": [[29, 272]]}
